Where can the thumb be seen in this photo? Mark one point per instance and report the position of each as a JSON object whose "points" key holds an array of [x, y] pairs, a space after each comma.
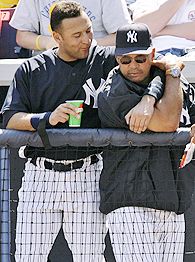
{"points": [[127, 117], [193, 140]]}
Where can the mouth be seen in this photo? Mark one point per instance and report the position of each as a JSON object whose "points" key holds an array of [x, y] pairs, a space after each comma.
{"points": [[85, 48], [134, 74]]}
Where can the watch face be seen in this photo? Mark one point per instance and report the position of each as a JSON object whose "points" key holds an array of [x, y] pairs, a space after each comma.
{"points": [[176, 72]]}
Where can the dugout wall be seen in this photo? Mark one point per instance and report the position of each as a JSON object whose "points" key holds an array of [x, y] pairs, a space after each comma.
{"points": [[11, 174]]}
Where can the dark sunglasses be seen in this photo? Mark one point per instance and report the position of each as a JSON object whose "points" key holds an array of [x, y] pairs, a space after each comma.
{"points": [[125, 60]]}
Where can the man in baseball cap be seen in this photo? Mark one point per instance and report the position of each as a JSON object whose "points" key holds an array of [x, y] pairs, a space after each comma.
{"points": [[134, 48], [137, 96]]}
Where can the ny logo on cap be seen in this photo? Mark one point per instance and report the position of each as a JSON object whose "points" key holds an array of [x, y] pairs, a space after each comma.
{"points": [[132, 36]]}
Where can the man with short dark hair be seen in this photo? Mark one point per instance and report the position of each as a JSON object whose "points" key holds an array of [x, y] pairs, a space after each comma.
{"points": [[60, 186], [142, 192]]}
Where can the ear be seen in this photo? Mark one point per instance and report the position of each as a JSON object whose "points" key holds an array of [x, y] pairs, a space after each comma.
{"points": [[117, 59], [57, 37], [153, 53]]}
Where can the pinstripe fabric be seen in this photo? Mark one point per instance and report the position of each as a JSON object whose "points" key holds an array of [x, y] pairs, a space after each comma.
{"points": [[146, 235], [50, 199]]}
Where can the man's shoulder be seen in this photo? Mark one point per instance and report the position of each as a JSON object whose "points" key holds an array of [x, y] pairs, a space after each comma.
{"points": [[102, 51], [39, 60], [188, 89], [114, 79], [115, 72]]}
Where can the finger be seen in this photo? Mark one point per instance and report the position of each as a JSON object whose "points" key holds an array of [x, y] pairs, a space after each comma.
{"points": [[132, 123], [74, 110], [57, 117], [160, 64], [137, 126], [72, 107], [181, 65], [69, 111], [143, 125], [63, 119], [192, 130], [193, 140], [127, 118]]}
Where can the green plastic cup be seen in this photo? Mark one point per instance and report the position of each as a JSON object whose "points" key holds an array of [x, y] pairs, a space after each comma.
{"points": [[74, 121]]}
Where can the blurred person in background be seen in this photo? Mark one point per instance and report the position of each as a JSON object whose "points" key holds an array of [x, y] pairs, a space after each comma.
{"points": [[130, 2], [8, 45], [31, 20], [8, 3], [171, 23]]}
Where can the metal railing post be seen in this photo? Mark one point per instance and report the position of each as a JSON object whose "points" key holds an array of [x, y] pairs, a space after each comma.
{"points": [[5, 204]]}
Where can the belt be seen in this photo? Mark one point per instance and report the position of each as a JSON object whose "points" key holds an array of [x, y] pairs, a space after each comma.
{"points": [[65, 167]]}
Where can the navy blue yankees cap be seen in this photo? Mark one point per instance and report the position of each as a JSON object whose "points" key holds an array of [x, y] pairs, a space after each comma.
{"points": [[134, 38]]}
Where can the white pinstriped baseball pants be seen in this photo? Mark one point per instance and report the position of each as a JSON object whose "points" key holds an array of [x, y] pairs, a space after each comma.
{"points": [[146, 235], [49, 200]]}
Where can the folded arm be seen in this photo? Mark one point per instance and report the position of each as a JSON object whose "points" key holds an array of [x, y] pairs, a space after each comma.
{"points": [[167, 110], [156, 116]]}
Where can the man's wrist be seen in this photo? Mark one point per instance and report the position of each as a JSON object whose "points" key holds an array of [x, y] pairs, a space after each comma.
{"points": [[149, 99], [38, 44], [36, 118], [174, 72]]}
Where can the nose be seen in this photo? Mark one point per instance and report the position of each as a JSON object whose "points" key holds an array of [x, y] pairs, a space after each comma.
{"points": [[133, 64], [85, 38]]}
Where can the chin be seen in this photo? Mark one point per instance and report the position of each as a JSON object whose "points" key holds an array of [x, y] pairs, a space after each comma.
{"points": [[84, 56], [85, 53], [134, 79]]}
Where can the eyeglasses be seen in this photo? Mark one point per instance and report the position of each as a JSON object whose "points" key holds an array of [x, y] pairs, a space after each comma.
{"points": [[125, 60]]}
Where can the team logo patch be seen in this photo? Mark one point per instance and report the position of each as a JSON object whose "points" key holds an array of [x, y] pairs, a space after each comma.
{"points": [[132, 36], [92, 92]]}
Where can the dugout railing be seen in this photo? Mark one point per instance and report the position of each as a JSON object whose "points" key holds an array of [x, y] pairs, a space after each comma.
{"points": [[11, 171]]}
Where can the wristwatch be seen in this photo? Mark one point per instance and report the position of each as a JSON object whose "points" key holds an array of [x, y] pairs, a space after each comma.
{"points": [[174, 72]]}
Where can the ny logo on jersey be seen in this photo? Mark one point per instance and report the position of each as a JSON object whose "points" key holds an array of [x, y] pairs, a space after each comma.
{"points": [[132, 36], [91, 91]]}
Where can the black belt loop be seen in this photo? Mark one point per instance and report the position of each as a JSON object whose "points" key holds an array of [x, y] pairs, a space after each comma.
{"points": [[94, 159], [60, 167]]}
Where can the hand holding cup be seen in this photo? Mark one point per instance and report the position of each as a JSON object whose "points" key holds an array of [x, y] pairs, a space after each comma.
{"points": [[75, 121]]}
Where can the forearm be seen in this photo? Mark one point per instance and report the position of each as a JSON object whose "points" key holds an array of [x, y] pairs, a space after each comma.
{"points": [[185, 30], [167, 110], [156, 86], [158, 19], [139, 116], [108, 40], [29, 40], [20, 121]]}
